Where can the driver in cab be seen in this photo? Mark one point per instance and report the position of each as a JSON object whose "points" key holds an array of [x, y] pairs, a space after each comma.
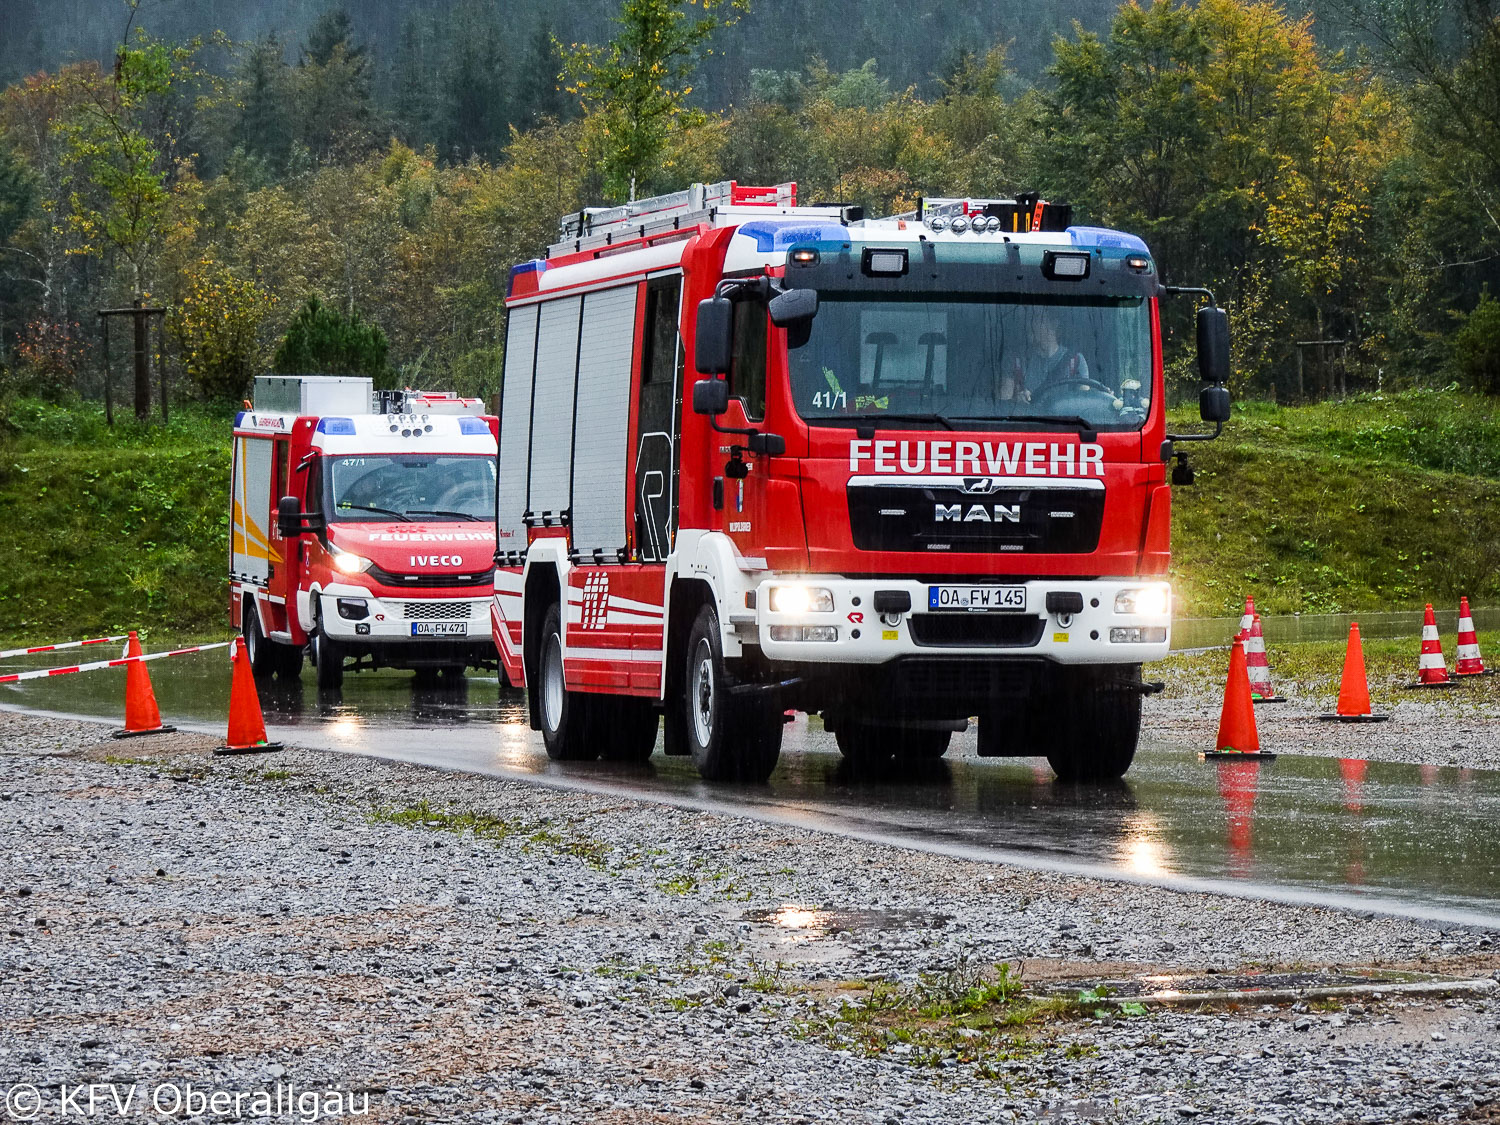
{"points": [[1048, 362]]}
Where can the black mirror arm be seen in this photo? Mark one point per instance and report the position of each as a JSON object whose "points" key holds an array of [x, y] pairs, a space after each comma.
{"points": [[1175, 290], [1218, 429]]}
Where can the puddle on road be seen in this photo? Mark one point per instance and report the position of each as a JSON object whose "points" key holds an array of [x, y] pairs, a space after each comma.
{"points": [[1167, 986], [818, 920]]}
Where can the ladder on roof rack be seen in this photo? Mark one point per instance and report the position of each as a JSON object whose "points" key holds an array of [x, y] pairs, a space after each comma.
{"points": [[601, 226]]}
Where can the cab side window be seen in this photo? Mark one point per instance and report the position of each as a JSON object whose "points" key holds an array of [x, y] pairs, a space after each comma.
{"points": [[313, 499], [747, 364]]}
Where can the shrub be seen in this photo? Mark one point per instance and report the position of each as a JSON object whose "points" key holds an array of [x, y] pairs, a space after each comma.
{"points": [[217, 327], [1476, 346], [323, 341]]}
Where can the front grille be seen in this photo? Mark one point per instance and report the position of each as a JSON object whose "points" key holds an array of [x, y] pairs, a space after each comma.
{"points": [[994, 630], [426, 581], [947, 518], [976, 680], [435, 611]]}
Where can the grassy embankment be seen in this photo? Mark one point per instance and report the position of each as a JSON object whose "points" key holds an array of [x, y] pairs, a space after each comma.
{"points": [[1377, 503]]}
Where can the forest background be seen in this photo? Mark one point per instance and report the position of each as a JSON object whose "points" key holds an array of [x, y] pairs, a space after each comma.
{"points": [[1332, 174]]}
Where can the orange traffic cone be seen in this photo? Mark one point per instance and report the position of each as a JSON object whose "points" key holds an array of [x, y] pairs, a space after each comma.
{"points": [[1238, 737], [1432, 669], [1469, 661], [247, 727], [1258, 667], [141, 714], [1354, 687]]}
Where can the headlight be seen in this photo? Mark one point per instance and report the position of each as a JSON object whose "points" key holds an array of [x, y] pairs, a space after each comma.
{"points": [[348, 563], [1148, 601], [804, 632], [801, 599]]}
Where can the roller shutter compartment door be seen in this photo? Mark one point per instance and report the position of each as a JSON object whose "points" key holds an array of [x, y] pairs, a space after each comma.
{"points": [[515, 430], [552, 407], [602, 429]]}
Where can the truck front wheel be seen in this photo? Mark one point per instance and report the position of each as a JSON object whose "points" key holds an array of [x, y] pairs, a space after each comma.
{"points": [[730, 738], [1090, 724], [327, 654]]}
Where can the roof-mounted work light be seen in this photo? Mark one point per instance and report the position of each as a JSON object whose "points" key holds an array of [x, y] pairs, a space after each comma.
{"points": [[1060, 266], [884, 263]]}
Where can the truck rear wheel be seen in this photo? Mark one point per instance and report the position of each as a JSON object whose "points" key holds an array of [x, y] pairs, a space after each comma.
{"points": [[1092, 725], [569, 731], [869, 742], [258, 647], [730, 738]]}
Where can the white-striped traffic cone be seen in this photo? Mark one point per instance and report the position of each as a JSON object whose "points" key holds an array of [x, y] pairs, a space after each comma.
{"points": [[1248, 617], [1258, 666], [1469, 661], [1432, 669]]}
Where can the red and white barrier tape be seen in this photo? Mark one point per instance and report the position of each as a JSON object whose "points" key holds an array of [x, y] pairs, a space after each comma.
{"points": [[40, 673], [66, 644]]}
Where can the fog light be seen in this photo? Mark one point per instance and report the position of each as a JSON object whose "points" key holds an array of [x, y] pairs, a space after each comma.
{"points": [[353, 609], [804, 632], [801, 599], [1148, 601], [1136, 635]]}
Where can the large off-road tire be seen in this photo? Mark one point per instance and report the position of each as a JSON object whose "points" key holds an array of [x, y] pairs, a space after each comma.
{"points": [[569, 727], [327, 654], [731, 738], [1093, 724], [872, 742], [264, 660]]}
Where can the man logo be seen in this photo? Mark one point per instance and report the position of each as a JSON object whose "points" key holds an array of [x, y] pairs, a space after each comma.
{"points": [[980, 486], [977, 513]]}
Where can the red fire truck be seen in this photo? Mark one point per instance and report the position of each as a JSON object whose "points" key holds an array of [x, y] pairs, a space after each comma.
{"points": [[361, 529], [900, 472]]}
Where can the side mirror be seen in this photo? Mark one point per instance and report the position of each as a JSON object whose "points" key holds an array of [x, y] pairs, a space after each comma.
{"points": [[710, 396], [289, 517], [714, 339], [1213, 404], [1213, 345], [793, 306]]}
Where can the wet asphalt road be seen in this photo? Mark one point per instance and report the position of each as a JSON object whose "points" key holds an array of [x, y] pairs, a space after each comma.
{"points": [[1420, 841]]}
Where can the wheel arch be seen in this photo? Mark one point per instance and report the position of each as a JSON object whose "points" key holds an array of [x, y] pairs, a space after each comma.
{"points": [[543, 588]]}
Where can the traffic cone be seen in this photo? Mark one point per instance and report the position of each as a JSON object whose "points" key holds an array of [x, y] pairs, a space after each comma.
{"points": [[1432, 669], [1248, 618], [247, 727], [1354, 688], [1469, 662], [1258, 667], [1238, 738], [141, 714]]}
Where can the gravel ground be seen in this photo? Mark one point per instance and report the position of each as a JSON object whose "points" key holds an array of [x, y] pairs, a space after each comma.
{"points": [[456, 948]]}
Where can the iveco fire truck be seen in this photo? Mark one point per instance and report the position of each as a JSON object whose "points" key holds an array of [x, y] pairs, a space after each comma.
{"points": [[900, 472], [361, 528]]}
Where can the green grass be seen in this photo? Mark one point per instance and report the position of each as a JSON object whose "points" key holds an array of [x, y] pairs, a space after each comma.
{"points": [[112, 529], [1380, 502]]}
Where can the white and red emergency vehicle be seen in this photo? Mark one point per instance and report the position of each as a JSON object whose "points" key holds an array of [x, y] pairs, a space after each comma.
{"points": [[756, 456], [361, 528]]}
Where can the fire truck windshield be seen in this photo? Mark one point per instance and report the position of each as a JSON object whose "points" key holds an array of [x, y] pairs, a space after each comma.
{"points": [[406, 486], [976, 359]]}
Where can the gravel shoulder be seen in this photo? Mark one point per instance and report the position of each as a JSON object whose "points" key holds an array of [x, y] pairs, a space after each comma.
{"points": [[454, 947]]}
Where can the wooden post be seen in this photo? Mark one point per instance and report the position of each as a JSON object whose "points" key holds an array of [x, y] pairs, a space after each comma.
{"points": [[161, 361], [109, 405], [142, 357]]}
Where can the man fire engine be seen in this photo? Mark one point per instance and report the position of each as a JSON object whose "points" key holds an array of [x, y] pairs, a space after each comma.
{"points": [[900, 472], [361, 531]]}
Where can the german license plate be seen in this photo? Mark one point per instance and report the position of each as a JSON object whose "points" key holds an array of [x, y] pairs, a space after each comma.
{"points": [[1006, 599], [439, 629]]}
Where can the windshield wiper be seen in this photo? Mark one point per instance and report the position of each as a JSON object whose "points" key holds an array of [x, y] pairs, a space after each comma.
{"points": [[344, 506], [876, 419], [1051, 419], [443, 512]]}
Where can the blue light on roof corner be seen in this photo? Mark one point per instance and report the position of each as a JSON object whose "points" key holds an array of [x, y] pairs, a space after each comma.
{"points": [[468, 424], [1106, 239], [239, 418], [336, 426], [772, 235]]}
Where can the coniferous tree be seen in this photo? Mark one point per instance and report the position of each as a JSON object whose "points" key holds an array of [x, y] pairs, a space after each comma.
{"points": [[474, 91], [333, 87], [540, 93], [266, 126], [324, 341]]}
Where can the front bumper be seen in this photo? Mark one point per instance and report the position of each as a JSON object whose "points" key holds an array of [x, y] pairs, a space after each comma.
{"points": [[1096, 635], [389, 619]]}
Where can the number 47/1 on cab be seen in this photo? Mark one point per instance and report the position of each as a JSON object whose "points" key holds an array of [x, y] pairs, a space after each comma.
{"points": [[757, 457]]}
